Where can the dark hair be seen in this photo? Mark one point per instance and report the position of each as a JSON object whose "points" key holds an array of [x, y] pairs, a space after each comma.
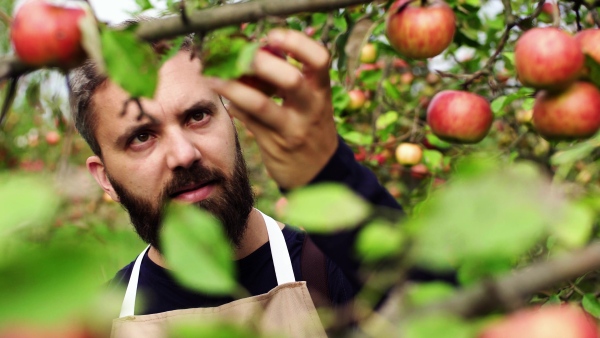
{"points": [[86, 79]]}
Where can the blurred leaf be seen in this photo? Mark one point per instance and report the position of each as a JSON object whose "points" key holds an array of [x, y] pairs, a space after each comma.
{"points": [[574, 153], [575, 229], [497, 215], [325, 207], [423, 294], [124, 56], [594, 69], [591, 305], [46, 284], [528, 103], [357, 138], [386, 119], [499, 103], [391, 90], [437, 142], [509, 60], [218, 329], [25, 201], [359, 34], [144, 4], [437, 326], [473, 271], [227, 56], [433, 159], [197, 249], [553, 300], [379, 240]]}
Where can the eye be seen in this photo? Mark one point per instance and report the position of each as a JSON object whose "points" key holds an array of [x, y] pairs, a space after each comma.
{"points": [[140, 138], [197, 116]]}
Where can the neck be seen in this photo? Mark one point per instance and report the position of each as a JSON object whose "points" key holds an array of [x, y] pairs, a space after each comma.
{"points": [[254, 237]]}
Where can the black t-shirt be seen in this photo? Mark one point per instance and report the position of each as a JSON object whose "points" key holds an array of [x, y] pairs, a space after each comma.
{"points": [[160, 292]]}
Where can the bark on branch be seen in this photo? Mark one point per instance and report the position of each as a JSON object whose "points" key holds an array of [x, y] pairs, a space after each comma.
{"points": [[205, 20]]}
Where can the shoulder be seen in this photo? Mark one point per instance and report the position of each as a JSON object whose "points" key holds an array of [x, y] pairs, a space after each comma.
{"points": [[121, 278]]}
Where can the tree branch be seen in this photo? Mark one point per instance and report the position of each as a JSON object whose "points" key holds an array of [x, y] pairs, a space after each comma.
{"points": [[513, 289], [205, 20]]}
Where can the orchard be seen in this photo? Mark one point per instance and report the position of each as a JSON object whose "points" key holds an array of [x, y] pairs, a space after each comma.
{"points": [[480, 118]]}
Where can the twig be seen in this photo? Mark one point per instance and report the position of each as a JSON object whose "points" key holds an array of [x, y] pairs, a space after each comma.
{"points": [[11, 92]]}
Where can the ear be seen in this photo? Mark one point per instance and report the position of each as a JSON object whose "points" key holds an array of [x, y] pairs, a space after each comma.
{"points": [[96, 168]]}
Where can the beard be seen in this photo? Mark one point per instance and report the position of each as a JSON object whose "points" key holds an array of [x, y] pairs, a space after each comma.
{"points": [[231, 206]]}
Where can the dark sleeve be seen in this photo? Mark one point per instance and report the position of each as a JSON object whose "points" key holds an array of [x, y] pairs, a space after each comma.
{"points": [[343, 168]]}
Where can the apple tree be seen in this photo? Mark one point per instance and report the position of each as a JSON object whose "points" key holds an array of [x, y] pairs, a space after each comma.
{"points": [[480, 117]]}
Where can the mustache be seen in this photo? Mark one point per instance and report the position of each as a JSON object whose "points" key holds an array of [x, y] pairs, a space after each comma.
{"points": [[195, 175]]}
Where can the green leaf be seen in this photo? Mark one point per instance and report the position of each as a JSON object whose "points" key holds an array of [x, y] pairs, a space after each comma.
{"points": [[433, 159], [379, 240], [438, 326], [357, 138], [197, 249], [144, 4], [325, 207], [528, 103], [591, 305], [576, 228], [62, 276], [130, 63], [594, 69], [423, 294], [474, 271], [25, 201], [437, 142], [227, 56], [391, 90], [509, 59], [553, 300], [495, 215], [386, 119], [498, 104], [574, 153]]}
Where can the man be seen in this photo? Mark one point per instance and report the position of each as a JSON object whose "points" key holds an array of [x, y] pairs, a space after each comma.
{"points": [[185, 148]]}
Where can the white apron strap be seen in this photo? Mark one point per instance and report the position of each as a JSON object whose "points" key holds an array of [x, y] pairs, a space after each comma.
{"points": [[279, 252], [129, 300]]}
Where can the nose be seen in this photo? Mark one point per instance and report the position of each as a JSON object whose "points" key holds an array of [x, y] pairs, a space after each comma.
{"points": [[181, 151]]}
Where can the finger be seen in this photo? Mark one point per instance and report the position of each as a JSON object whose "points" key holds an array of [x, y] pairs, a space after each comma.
{"points": [[282, 75], [249, 101], [310, 53]]}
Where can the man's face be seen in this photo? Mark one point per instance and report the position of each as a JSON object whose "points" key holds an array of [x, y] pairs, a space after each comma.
{"points": [[183, 148]]}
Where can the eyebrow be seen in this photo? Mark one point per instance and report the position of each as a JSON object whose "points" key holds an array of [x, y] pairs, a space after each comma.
{"points": [[152, 122]]}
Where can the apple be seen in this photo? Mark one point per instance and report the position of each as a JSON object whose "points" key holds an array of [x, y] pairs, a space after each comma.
{"points": [[524, 116], [589, 41], [45, 34], [358, 98], [52, 137], [459, 116], [549, 10], [368, 53], [548, 58], [570, 114], [554, 321], [419, 171], [408, 154], [407, 78], [310, 31], [260, 84], [361, 155], [418, 30], [432, 78]]}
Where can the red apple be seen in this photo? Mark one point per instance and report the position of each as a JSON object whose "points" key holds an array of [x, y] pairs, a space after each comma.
{"points": [[549, 10], [357, 99], [459, 116], [361, 155], [44, 34], [368, 53], [570, 114], [548, 58], [52, 137], [420, 32], [408, 154], [557, 321], [419, 171], [258, 83]]}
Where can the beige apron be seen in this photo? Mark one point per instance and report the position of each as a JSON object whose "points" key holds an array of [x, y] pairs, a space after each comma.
{"points": [[287, 309]]}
